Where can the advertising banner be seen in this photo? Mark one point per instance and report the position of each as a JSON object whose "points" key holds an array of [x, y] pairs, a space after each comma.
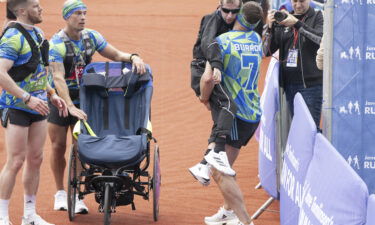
{"points": [[333, 191], [267, 131], [297, 156], [353, 83]]}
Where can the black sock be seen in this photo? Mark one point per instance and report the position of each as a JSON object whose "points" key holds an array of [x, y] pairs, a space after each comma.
{"points": [[204, 162], [219, 144]]}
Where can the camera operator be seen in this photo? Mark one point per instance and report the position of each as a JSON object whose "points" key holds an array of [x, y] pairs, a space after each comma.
{"points": [[297, 36]]}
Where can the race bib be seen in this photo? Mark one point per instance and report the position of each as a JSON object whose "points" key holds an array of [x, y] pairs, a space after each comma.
{"points": [[76, 73], [292, 58]]}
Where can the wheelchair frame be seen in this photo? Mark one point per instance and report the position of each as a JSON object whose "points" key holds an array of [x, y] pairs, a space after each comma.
{"points": [[112, 185], [115, 186]]}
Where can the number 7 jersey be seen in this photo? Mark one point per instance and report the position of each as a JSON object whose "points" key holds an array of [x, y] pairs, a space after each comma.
{"points": [[242, 55]]}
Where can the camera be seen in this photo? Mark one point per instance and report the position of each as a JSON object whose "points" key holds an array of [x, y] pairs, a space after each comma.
{"points": [[280, 16]]}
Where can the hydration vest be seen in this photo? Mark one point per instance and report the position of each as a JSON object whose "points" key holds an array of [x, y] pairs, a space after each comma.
{"points": [[71, 55], [20, 72]]}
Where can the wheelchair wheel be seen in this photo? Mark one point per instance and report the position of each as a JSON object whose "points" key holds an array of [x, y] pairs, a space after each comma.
{"points": [[156, 180], [72, 183], [107, 204]]}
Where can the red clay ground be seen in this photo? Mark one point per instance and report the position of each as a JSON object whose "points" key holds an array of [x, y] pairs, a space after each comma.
{"points": [[163, 33]]}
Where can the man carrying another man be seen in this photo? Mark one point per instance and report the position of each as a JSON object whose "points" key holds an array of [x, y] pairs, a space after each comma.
{"points": [[241, 51]]}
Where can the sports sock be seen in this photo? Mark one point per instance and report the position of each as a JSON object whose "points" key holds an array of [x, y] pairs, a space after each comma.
{"points": [[29, 205], [4, 208], [204, 162], [219, 144]]}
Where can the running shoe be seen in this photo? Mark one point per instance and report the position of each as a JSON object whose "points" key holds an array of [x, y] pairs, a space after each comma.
{"points": [[222, 217], [34, 219], [220, 162], [5, 221], [60, 201], [81, 207], [201, 172], [240, 223]]}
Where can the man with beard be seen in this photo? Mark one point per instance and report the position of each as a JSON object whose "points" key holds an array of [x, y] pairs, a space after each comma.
{"points": [[71, 49], [23, 104]]}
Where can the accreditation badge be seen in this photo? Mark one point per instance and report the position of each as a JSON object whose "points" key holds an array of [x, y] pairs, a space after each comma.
{"points": [[292, 58]]}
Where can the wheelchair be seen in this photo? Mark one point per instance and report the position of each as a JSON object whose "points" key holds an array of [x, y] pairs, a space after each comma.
{"points": [[112, 156]]}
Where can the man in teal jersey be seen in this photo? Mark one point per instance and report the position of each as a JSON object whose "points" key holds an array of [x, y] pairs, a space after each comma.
{"points": [[23, 102], [71, 49], [241, 53]]}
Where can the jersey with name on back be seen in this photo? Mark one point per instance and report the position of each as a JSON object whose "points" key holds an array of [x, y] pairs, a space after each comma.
{"points": [[242, 54]]}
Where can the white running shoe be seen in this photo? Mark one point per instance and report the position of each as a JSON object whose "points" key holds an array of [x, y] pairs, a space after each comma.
{"points": [[34, 219], [240, 223], [5, 221], [81, 207], [222, 217], [60, 201], [201, 172], [220, 162]]}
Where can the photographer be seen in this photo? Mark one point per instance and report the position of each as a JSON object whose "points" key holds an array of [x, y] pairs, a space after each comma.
{"points": [[297, 36]]}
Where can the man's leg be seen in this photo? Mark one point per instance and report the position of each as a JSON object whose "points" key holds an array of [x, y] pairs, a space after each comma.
{"points": [[233, 198], [313, 100], [201, 171], [16, 140], [58, 135], [31, 173], [34, 157], [35, 145]]}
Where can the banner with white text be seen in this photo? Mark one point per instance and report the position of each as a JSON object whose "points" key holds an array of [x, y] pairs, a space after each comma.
{"points": [[297, 156], [353, 83]]}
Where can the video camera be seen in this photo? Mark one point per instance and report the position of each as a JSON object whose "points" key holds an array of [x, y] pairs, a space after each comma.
{"points": [[280, 16]]}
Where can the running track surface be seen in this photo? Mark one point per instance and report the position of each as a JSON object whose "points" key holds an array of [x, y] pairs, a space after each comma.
{"points": [[163, 33]]}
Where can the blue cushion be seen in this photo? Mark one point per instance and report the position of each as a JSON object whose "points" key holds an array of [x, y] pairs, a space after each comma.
{"points": [[112, 151]]}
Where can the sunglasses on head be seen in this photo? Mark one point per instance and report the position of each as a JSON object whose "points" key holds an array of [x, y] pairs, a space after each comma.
{"points": [[233, 11]]}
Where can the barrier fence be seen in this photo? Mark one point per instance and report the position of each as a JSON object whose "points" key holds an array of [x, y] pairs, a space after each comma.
{"points": [[317, 185]]}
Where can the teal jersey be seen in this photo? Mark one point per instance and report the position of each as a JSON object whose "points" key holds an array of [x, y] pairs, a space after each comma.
{"points": [[57, 51], [242, 55], [14, 46]]}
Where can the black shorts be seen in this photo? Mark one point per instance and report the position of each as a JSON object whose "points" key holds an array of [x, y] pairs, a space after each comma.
{"points": [[223, 112], [241, 133], [19, 117], [55, 118]]}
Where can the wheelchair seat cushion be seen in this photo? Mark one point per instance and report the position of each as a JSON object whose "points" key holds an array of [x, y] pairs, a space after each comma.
{"points": [[112, 151]]}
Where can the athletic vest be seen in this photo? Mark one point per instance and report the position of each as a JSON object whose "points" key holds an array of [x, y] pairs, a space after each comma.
{"points": [[71, 55], [20, 72]]}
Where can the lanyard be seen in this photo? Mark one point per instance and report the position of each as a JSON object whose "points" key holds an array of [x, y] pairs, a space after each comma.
{"points": [[295, 33]]}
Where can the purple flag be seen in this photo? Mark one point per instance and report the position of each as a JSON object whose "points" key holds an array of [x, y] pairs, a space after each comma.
{"points": [[334, 193], [297, 156], [267, 131]]}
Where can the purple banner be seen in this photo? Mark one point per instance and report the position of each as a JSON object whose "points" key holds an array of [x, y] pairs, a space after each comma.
{"points": [[297, 156], [334, 193], [267, 131], [370, 220], [353, 96]]}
